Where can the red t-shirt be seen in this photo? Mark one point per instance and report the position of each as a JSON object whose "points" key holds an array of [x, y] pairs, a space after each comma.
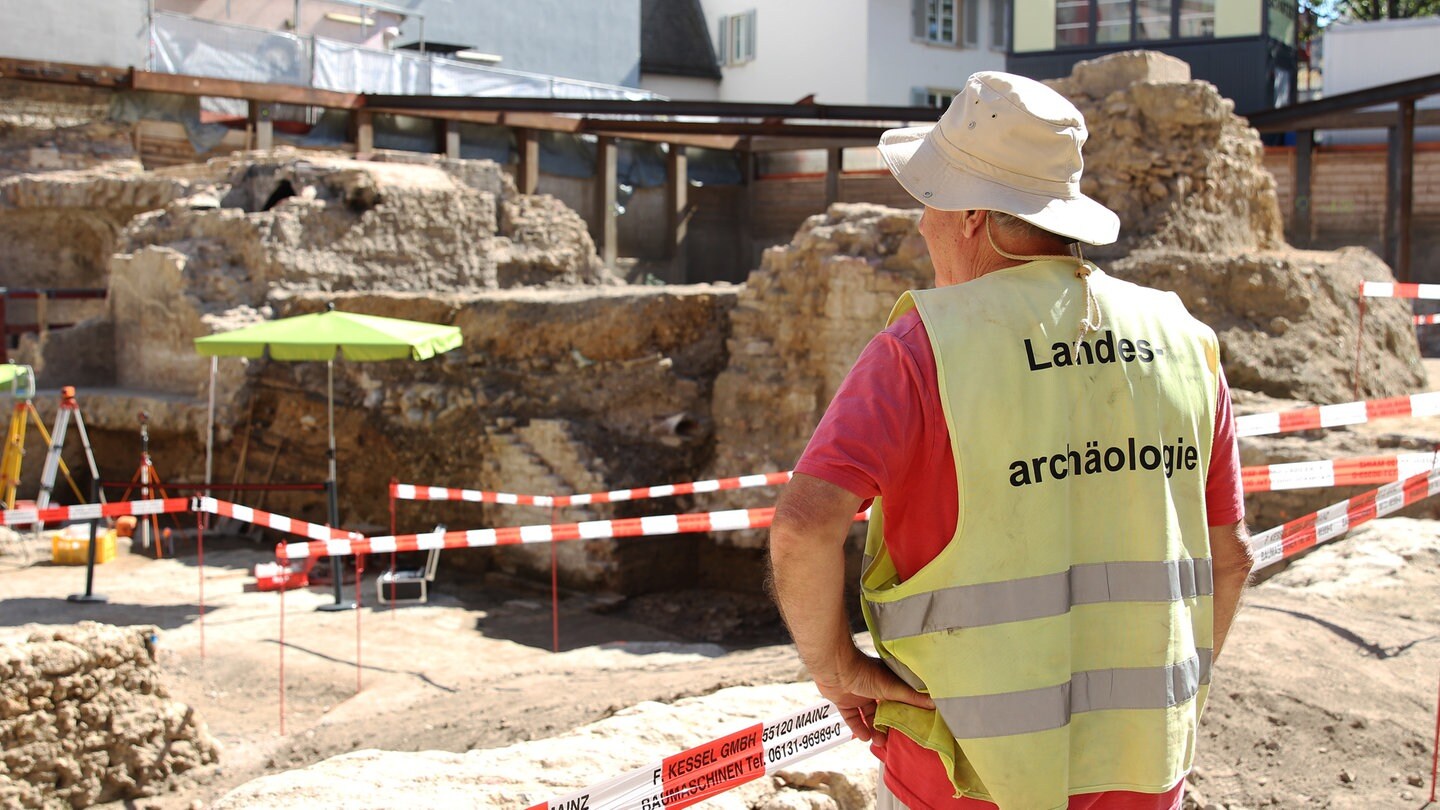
{"points": [[893, 391]]}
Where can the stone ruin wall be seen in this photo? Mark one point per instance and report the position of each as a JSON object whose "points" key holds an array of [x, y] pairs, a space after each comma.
{"points": [[570, 382], [85, 719], [567, 380]]}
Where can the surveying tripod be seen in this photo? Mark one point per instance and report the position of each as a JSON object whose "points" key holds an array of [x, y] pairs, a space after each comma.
{"points": [[21, 415], [147, 478], [68, 408]]}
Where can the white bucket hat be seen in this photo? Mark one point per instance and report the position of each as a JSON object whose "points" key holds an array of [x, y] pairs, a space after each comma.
{"points": [[1007, 143]]}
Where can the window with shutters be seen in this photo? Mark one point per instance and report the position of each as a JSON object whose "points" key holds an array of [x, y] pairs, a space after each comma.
{"points": [[737, 38], [946, 22]]}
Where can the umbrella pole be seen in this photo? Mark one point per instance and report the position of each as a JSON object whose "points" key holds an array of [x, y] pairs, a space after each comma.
{"points": [[336, 572], [210, 429]]}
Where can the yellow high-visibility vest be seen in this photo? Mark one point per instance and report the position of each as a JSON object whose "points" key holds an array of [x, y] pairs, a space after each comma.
{"points": [[1065, 630]]}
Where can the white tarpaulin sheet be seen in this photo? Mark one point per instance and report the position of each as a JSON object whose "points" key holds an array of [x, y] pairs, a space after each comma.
{"points": [[449, 78], [203, 48], [200, 48], [343, 67]]}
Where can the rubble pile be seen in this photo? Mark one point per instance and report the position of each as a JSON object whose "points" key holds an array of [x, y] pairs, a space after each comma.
{"points": [[85, 718]]}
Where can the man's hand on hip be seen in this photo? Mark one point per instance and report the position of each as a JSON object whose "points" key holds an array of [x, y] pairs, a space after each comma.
{"points": [[859, 686], [807, 566]]}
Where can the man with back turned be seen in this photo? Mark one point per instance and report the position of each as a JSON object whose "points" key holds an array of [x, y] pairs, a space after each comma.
{"points": [[1057, 547]]}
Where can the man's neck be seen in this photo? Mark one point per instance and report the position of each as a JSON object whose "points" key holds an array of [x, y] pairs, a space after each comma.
{"points": [[989, 259]]}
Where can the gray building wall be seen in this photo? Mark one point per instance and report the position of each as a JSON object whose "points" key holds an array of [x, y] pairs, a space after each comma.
{"points": [[592, 40], [113, 33]]}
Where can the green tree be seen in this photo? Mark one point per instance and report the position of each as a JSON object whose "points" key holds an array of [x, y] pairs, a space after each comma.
{"points": [[1386, 9]]}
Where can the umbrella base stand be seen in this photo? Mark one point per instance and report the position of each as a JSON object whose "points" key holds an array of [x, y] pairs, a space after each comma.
{"points": [[87, 597], [338, 580]]}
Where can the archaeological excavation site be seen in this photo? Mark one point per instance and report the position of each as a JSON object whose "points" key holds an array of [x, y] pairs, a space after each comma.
{"points": [[536, 561]]}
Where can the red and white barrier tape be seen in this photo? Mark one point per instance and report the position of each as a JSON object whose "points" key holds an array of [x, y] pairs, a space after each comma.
{"points": [[416, 492], [728, 520], [1427, 320], [712, 768], [93, 511], [279, 523], [1385, 289], [1346, 413], [1334, 521], [1343, 472]]}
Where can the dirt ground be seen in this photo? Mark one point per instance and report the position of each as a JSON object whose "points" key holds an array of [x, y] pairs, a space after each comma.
{"points": [[1325, 695], [1324, 698]]}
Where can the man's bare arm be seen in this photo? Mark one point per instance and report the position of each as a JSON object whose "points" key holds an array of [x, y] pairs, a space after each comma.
{"points": [[807, 560], [1230, 554]]}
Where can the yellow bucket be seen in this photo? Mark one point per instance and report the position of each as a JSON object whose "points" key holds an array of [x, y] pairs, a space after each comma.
{"points": [[66, 549]]}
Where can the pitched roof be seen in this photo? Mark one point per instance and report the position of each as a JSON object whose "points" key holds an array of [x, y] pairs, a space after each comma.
{"points": [[674, 40]]}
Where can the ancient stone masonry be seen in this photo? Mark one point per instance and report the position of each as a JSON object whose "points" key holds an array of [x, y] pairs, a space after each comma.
{"points": [[568, 380], [1170, 156], [45, 127], [85, 718], [801, 321]]}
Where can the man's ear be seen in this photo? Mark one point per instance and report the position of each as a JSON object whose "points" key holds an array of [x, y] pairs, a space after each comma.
{"points": [[973, 221]]}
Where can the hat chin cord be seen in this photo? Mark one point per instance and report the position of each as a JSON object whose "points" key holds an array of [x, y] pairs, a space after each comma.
{"points": [[1082, 272]]}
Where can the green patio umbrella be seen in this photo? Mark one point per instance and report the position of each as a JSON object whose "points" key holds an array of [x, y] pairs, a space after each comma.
{"points": [[320, 336]]}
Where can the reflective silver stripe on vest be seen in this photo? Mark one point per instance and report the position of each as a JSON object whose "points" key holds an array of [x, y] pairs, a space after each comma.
{"points": [[1019, 600], [1051, 707]]}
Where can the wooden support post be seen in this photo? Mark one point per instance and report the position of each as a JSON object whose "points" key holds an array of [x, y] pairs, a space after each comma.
{"points": [[1388, 246], [527, 173], [363, 124], [1406, 184], [1301, 201], [262, 120], [834, 164], [447, 138], [606, 183], [42, 316], [745, 216], [677, 187]]}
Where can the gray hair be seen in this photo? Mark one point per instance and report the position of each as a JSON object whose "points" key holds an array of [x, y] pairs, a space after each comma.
{"points": [[1015, 226]]}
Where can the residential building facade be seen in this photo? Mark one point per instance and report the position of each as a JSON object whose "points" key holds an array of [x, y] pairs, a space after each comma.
{"points": [[1246, 48], [880, 52]]}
